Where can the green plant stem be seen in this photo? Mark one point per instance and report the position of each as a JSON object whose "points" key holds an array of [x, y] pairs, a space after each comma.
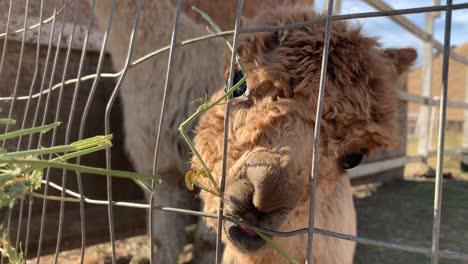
{"points": [[28, 131], [194, 150], [200, 111], [7, 121], [207, 107], [81, 153], [218, 30], [205, 189], [143, 186], [38, 164], [57, 149]]}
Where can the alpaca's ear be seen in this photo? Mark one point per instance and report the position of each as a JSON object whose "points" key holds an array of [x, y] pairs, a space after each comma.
{"points": [[402, 58]]}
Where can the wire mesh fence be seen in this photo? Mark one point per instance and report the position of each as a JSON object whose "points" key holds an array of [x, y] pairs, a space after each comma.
{"points": [[52, 77]]}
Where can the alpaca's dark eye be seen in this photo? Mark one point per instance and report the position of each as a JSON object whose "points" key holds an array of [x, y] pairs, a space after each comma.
{"points": [[242, 91], [353, 159]]}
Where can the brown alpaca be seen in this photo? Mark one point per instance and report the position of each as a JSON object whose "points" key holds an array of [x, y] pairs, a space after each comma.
{"points": [[271, 134]]}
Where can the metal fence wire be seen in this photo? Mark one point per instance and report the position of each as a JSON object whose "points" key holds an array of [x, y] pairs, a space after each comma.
{"points": [[49, 87]]}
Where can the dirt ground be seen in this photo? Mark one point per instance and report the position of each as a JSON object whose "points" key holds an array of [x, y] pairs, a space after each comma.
{"points": [[401, 211], [397, 211]]}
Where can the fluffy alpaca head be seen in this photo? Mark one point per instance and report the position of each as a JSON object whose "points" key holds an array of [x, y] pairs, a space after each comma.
{"points": [[271, 133]]}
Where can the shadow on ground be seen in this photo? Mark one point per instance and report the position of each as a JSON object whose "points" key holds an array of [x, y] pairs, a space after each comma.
{"points": [[402, 211]]}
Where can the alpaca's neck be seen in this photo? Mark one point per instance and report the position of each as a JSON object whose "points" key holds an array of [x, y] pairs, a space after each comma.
{"points": [[154, 27]]}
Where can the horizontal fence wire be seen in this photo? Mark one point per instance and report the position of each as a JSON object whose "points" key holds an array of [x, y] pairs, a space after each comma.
{"points": [[42, 22], [434, 252], [248, 31]]}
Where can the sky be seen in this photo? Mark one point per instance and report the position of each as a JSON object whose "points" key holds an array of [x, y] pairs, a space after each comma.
{"points": [[393, 35]]}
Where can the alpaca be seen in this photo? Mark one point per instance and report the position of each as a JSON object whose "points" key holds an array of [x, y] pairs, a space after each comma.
{"points": [[271, 134], [196, 72]]}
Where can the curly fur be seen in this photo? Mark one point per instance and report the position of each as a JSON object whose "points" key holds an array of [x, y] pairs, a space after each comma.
{"points": [[271, 134]]}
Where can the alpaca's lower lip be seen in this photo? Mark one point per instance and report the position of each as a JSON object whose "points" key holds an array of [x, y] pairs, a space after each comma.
{"points": [[243, 238]]}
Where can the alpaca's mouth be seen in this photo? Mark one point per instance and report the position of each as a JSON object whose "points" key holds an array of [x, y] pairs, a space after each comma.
{"points": [[243, 238], [246, 239]]}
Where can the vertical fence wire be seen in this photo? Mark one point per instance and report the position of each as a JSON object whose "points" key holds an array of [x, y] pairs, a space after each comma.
{"points": [[18, 74], [161, 120], [69, 123], [44, 202], [465, 120], [232, 69], [25, 115], [4, 53], [441, 142], [5, 43], [88, 106], [35, 74], [78, 175], [44, 75], [107, 125], [52, 75], [316, 143], [12, 104]]}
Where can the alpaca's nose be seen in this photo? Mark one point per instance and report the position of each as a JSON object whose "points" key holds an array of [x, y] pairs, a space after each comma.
{"points": [[271, 189]]}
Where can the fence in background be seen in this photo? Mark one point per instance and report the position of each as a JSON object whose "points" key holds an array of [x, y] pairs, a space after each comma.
{"points": [[363, 170], [426, 117]]}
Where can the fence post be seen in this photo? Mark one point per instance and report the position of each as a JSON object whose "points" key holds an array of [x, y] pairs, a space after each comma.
{"points": [[423, 122], [464, 155]]}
